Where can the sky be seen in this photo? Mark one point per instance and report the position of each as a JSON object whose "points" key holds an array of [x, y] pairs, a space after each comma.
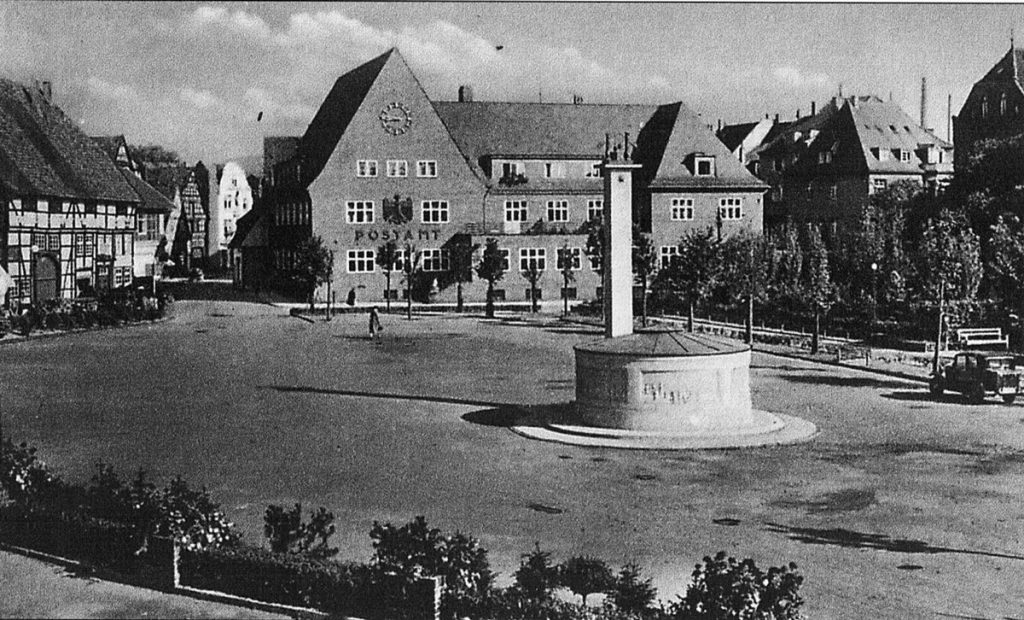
{"points": [[193, 77]]}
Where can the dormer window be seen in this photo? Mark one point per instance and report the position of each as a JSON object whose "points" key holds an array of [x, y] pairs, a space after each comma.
{"points": [[703, 166], [595, 170], [904, 155]]}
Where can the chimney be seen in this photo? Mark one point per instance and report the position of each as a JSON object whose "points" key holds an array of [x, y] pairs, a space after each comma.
{"points": [[719, 124], [949, 118], [798, 114], [924, 103], [776, 118], [577, 99], [465, 93], [814, 107]]}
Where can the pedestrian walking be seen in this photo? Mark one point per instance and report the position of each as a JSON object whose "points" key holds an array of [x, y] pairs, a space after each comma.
{"points": [[351, 300], [375, 326]]}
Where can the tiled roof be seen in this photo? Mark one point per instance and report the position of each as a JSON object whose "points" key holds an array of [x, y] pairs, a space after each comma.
{"points": [[335, 113], [152, 200], [110, 145], [44, 153], [732, 135], [246, 226], [1009, 67]]}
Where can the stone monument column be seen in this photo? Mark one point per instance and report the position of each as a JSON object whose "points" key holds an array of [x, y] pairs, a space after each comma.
{"points": [[617, 277]]}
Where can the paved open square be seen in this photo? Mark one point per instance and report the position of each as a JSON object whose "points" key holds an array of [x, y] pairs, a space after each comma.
{"points": [[904, 506]]}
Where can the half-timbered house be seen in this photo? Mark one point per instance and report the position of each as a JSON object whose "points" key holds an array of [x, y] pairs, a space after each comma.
{"points": [[68, 221]]}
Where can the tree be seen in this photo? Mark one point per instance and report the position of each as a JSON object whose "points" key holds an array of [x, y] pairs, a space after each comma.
{"points": [[818, 291], [746, 272], [585, 576], [566, 267], [314, 265], [154, 155], [408, 272], [1007, 263], [460, 266], [695, 271], [533, 272], [595, 244], [645, 265], [491, 269], [387, 259], [536, 577], [632, 593]]}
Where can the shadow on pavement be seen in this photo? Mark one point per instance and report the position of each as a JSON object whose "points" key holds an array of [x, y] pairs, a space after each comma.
{"points": [[431, 399], [507, 416], [841, 537], [924, 395], [853, 382]]}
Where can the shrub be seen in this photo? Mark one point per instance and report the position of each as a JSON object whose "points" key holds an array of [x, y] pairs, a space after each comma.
{"points": [[23, 477], [725, 588], [415, 549], [585, 576], [288, 534]]}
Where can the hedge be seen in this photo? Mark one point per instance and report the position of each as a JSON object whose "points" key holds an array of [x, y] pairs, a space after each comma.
{"points": [[74, 536]]}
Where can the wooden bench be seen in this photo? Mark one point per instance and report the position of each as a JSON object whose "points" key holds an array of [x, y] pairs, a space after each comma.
{"points": [[977, 336]]}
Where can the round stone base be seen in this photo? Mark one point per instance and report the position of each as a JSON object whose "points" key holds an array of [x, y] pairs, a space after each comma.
{"points": [[769, 429]]}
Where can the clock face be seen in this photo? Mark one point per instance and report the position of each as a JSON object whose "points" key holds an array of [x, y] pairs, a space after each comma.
{"points": [[395, 118]]}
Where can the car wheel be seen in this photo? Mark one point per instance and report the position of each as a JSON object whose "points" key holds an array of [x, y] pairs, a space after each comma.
{"points": [[935, 386], [1009, 398], [976, 393]]}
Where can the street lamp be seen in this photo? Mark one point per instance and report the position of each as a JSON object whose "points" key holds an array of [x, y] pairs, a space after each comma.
{"points": [[874, 293]]}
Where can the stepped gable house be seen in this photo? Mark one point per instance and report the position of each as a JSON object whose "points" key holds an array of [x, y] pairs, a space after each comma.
{"points": [[69, 216], [382, 162], [993, 107], [824, 168]]}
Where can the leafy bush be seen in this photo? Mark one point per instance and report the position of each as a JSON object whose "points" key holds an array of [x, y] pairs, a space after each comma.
{"points": [[724, 588], [536, 577], [288, 534], [24, 478], [415, 550], [291, 579]]}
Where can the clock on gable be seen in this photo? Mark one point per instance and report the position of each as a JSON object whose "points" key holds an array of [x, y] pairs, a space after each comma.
{"points": [[395, 118]]}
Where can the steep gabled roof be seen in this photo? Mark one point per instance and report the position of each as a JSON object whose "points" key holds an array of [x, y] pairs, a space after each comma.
{"points": [[690, 136], [1010, 67], [733, 135], [335, 114], [152, 200], [42, 152]]}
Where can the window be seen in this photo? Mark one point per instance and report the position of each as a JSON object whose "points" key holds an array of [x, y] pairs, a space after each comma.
{"points": [[730, 208], [833, 191], [682, 209], [595, 261], [571, 257], [90, 244], [809, 190], [595, 210], [79, 245], [777, 193], [360, 261], [510, 169], [558, 210], [554, 170], [569, 293], [1002, 104], [537, 294], [904, 155], [515, 210], [434, 211], [366, 168], [879, 184], [594, 171], [359, 211], [434, 259], [426, 168], [532, 256], [704, 166], [118, 210], [55, 206], [779, 164], [506, 258], [984, 107], [498, 294], [667, 252], [52, 242], [392, 294], [397, 168], [825, 157], [30, 204]]}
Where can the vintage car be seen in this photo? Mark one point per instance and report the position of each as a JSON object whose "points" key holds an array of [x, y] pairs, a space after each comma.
{"points": [[976, 374]]}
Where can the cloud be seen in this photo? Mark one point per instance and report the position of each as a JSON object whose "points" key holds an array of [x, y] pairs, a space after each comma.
{"points": [[261, 100], [201, 99], [792, 76], [220, 20], [109, 90]]}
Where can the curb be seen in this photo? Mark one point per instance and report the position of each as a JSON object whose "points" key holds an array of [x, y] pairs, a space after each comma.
{"points": [[81, 330]]}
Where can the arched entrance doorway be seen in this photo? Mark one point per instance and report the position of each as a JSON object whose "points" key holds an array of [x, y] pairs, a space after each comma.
{"points": [[47, 278]]}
